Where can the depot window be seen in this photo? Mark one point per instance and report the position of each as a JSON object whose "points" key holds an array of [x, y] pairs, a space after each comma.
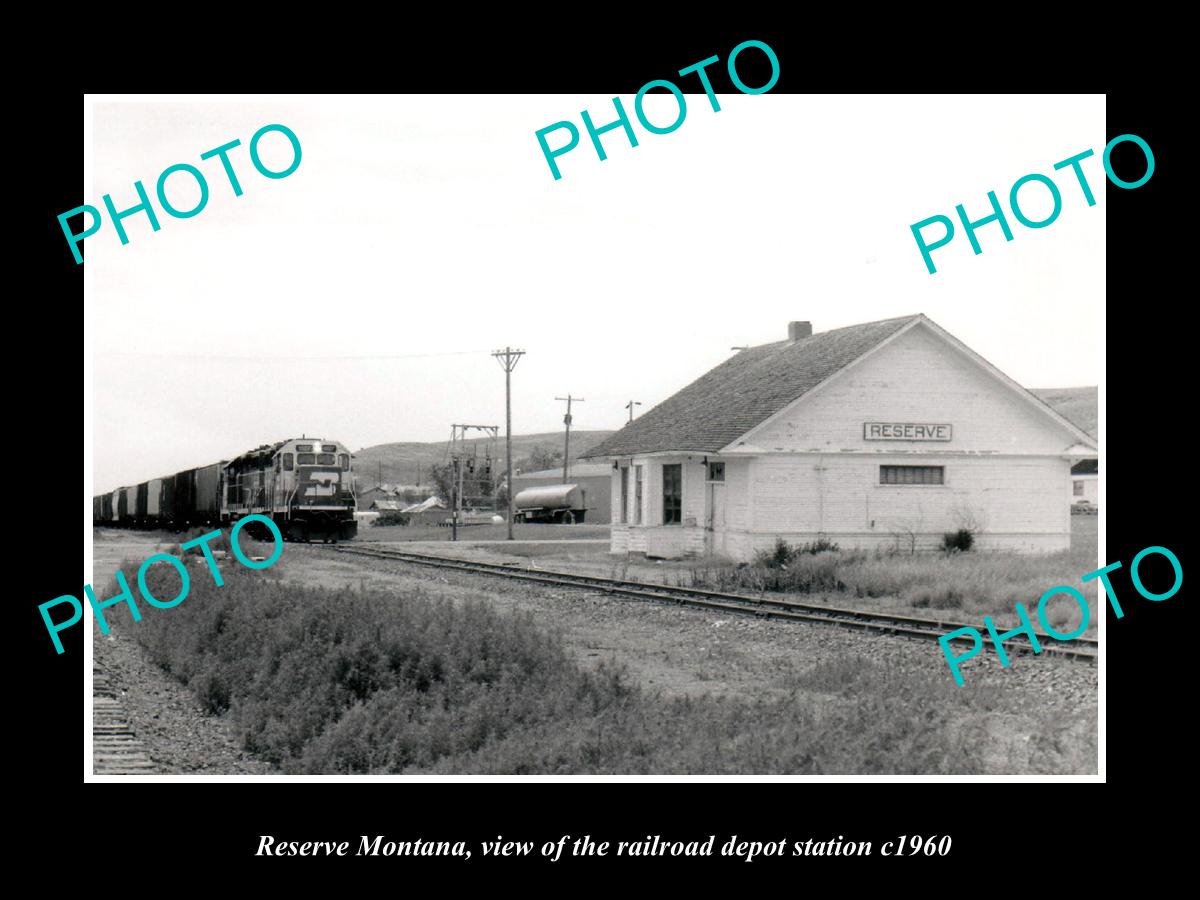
{"points": [[344, 461], [1077, 487], [306, 459], [912, 474], [288, 458], [638, 489], [625, 495], [716, 471], [672, 494]]}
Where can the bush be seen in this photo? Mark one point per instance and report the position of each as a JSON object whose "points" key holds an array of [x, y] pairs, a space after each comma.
{"points": [[958, 541], [783, 554], [344, 681], [391, 518]]}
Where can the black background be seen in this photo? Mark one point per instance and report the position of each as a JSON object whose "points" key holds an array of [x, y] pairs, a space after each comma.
{"points": [[1009, 833]]}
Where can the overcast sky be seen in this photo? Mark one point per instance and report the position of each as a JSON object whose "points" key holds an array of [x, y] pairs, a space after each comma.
{"points": [[358, 298]]}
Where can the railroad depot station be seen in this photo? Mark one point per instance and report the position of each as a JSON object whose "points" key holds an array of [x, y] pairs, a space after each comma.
{"points": [[885, 434]]}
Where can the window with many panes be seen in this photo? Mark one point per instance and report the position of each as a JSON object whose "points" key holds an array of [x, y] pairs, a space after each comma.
{"points": [[624, 495], [672, 494], [637, 493], [912, 474]]}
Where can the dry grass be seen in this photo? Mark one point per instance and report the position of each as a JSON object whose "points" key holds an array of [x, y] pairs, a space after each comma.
{"points": [[974, 583], [348, 681]]}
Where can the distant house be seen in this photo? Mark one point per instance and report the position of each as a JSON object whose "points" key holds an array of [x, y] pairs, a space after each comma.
{"points": [[384, 504], [594, 480], [367, 498], [1085, 482]]}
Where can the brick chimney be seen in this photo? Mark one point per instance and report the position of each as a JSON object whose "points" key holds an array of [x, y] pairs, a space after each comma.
{"points": [[799, 330]]}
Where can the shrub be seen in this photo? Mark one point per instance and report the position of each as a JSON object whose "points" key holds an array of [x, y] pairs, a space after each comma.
{"points": [[391, 517], [958, 541], [322, 680], [783, 554]]}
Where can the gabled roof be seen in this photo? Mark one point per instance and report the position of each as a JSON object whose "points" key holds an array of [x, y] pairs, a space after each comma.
{"points": [[746, 390], [759, 383]]}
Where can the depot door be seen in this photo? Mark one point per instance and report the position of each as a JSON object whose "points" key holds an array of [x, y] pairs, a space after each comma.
{"points": [[715, 525]]}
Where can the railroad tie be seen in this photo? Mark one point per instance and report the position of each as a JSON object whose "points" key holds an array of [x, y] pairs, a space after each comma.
{"points": [[116, 750]]}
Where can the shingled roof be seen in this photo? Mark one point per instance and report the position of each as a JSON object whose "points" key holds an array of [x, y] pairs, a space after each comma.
{"points": [[718, 408]]}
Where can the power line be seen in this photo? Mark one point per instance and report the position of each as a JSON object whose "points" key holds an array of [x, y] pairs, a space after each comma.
{"points": [[268, 359]]}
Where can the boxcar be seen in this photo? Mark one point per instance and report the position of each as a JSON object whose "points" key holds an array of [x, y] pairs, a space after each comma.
{"points": [[97, 510], [208, 494], [106, 508], [154, 489], [166, 511], [185, 497], [141, 496]]}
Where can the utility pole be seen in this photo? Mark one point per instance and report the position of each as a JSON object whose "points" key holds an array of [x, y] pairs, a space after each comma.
{"points": [[567, 445], [630, 405], [508, 359], [379, 479]]}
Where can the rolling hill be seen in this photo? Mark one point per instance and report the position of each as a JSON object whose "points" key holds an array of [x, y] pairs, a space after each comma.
{"points": [[398, 463], [1080, 405]]}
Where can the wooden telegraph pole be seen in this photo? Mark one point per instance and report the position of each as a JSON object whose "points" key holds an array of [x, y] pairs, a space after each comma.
{"points": [[508, 358], [567, 444]]}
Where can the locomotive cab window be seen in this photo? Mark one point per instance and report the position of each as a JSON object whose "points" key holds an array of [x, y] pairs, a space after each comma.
{"points": [[287, 462], [304, 448], [306, 459], [329, 448], [344, 461], [325, 459]]}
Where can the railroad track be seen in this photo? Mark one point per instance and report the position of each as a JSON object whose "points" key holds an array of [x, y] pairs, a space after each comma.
{"points": [[116, 750], [739, 604]]}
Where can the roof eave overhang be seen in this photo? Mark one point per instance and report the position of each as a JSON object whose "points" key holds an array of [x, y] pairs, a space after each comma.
{"points": [[652, 453]]}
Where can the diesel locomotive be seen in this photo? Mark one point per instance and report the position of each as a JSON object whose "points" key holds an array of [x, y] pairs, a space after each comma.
{"points": [[304, 485]]}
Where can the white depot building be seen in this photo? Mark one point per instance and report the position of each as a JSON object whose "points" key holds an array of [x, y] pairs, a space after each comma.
{"points": [[883, 434]]}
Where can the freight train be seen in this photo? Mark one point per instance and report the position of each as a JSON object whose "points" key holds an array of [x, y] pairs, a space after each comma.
{"points": [[304, 485]]}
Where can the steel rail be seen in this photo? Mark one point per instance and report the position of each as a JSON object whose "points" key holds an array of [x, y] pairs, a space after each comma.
{"points": [[762, 607]]}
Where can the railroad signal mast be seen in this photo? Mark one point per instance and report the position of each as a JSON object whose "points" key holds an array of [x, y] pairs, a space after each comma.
{"points": [[464, 465], [567, 444], [630, 405]]}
